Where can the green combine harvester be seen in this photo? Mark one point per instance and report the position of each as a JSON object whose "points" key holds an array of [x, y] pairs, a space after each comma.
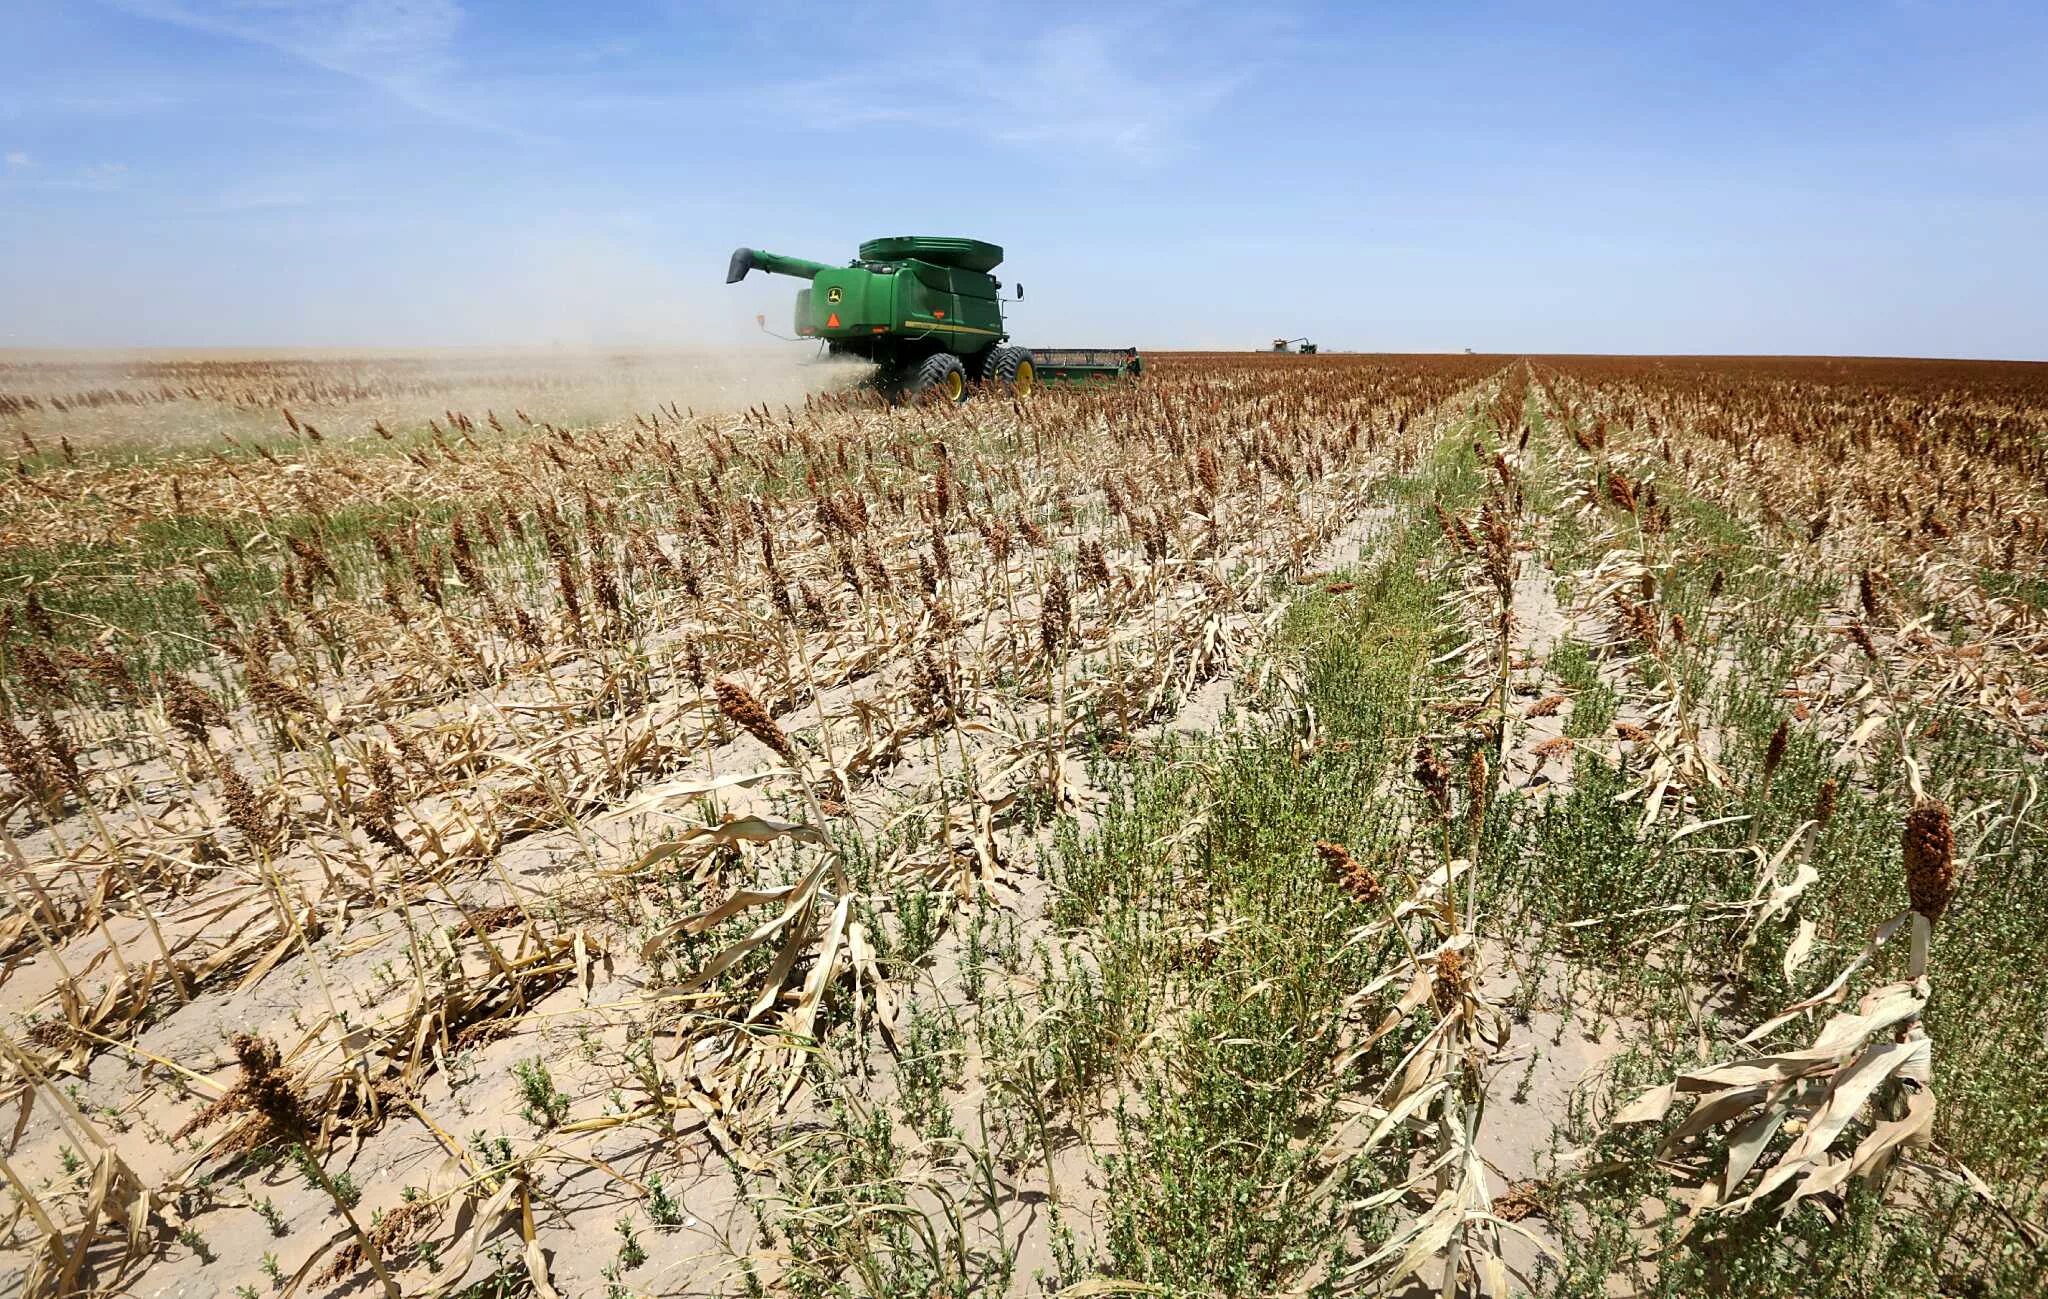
{"points": [[925, 310]]}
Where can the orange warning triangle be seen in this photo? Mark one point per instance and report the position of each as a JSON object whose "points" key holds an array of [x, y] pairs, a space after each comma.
{"points": [[832, 321]]}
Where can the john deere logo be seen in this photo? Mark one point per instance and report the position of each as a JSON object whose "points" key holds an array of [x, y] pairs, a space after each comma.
{"points": [[833, 294]]}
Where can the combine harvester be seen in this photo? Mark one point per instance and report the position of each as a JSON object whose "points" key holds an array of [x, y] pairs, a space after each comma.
{"points": [[1298, 346], [925, 310]]}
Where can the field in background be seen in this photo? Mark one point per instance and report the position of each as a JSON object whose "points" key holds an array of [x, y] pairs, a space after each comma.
{"points": [[1294, 825]]}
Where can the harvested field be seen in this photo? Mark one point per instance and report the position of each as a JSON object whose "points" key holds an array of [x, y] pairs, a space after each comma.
{"points": [[1292, 825]]}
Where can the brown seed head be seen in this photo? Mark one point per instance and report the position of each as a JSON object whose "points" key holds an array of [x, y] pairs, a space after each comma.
{"points": [[1055, 615], [1774, 753], [37, 617], [394, 1230], [30, 769], [385, 789], [816, 611], [1449, 990], [1093, 565], [416, 757], [1478, 785], [1499, 549], [935, 688], [277, 698], [1350, 874], [245, 813], [1434, 776], [264, 1089], [315, 560], [942, 484], [997, 534], [1446, 524], [190, 708], [60, 752], [604, 585], [1638, 621], [1824, 802], [1930, 851], [877, 571], [111, 674], [39, 671], [739, 707]]}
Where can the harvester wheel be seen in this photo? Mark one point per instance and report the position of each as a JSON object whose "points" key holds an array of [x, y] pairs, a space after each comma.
{"points": [[943, 373], [1012, 372]]}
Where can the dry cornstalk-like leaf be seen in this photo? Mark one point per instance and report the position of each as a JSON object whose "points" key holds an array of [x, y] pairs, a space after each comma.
{"points": [[1852, 1072]]}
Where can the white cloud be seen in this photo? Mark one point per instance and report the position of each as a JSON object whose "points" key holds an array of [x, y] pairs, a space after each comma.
{"points": [[1101, 87], [100, 177], [404, 48], [1131, 87], [82, 97]]}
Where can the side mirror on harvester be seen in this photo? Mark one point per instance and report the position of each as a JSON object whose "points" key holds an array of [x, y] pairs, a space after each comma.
{"points": [[1020, 293]]}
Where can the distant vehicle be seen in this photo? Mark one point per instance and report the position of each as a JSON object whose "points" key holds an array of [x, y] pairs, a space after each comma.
{"points": [[1299, 346]]}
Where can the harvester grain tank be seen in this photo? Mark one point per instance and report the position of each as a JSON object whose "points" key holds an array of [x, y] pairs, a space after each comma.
{"points": [[925, 310]]}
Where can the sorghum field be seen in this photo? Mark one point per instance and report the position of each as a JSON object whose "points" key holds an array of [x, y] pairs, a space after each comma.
{"points": [[1306, 826]]}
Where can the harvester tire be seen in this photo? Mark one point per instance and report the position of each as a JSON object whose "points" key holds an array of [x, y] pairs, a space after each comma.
{"points": [[943, 374], [1012, 372]]}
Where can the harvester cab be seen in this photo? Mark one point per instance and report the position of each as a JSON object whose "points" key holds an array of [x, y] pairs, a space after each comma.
{"points": [[926, 311]]}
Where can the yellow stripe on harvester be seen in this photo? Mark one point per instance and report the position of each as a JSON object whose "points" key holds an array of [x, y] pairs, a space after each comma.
{"points": [[944, 324]]}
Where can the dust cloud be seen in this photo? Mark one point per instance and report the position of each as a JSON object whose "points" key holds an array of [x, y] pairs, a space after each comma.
{"points": [[169, 399], [567, 331]]}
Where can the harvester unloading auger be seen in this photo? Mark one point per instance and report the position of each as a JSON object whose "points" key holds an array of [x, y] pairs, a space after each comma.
{"points": [[926, 311]]}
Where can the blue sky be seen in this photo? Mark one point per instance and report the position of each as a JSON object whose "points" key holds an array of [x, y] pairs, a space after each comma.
{"points": [[1627, 177]]}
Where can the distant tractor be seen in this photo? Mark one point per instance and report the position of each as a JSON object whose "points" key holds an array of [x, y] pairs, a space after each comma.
{"points": [[926, 311], [1300, 346]]}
